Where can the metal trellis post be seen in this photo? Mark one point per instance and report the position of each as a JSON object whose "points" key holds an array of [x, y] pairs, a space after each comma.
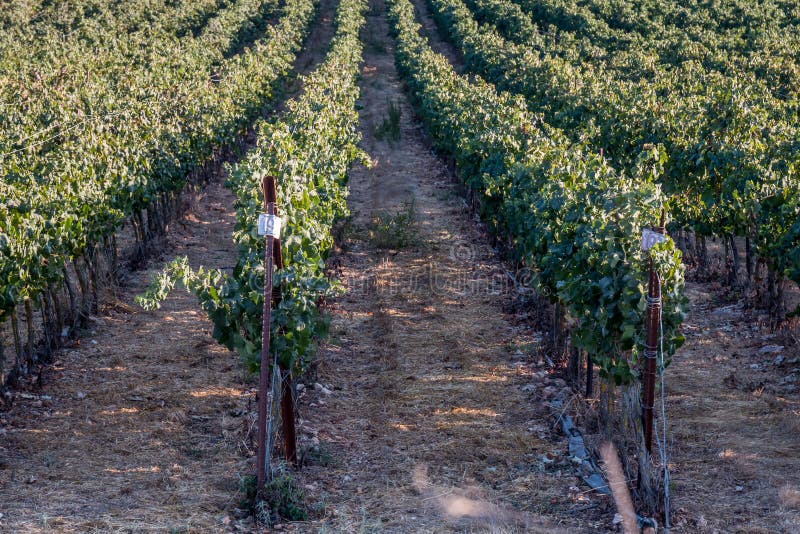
{"points": [[270, 226], [652, 322]]}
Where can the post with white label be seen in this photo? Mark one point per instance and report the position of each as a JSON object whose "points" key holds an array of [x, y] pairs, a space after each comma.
{"points": [[652, 322], [269, 225]]}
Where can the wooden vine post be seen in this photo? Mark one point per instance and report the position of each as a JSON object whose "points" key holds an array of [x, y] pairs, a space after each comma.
{"points": [[269, 225], [652, 324]]}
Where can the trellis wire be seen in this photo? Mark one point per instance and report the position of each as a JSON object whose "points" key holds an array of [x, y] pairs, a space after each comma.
{"points": [[662, 440], [273, 419]]}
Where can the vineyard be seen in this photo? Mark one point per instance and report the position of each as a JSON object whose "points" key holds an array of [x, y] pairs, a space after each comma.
{"points": [[399, 265]]}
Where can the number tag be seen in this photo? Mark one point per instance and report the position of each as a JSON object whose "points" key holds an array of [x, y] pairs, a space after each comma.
{"points": [[269, 225], [650, 238]]}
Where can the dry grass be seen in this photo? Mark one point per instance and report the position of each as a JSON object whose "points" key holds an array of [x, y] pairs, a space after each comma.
{"points": [[619, 487], [734, 429], [142, 426]]}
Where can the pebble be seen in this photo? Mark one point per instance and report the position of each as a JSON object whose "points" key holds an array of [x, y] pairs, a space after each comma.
{"points": [[322, 389], [549, 391], [770, 349], [726, 312]]}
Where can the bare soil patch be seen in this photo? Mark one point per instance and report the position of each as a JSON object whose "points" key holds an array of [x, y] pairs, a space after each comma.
{"points": [[140, 425], [734, 416]]}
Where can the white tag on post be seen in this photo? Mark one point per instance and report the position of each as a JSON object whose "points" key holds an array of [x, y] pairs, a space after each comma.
{"points": [[650, 238], [269, 225]]}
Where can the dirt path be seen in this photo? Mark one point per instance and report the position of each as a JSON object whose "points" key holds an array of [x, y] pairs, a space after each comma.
{"points": [[138, 426], [146, 424], [734, 416], [428, 425]]}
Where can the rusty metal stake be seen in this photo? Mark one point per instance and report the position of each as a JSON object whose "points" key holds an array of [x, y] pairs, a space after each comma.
{"points": [[287, 419], [652, 322], [272, 258]]}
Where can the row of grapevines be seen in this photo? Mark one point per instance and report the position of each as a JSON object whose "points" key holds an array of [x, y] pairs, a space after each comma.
{"points": [[740, 25], [762, 41], [729, 148], [98, 20], [567, 213], [308, 150], [166, 119], [55, 79], [751, 131], [14, 13]]}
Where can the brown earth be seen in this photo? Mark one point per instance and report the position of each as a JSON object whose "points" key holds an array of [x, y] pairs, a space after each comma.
{"points": [[139, 426], [734, 422]]}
